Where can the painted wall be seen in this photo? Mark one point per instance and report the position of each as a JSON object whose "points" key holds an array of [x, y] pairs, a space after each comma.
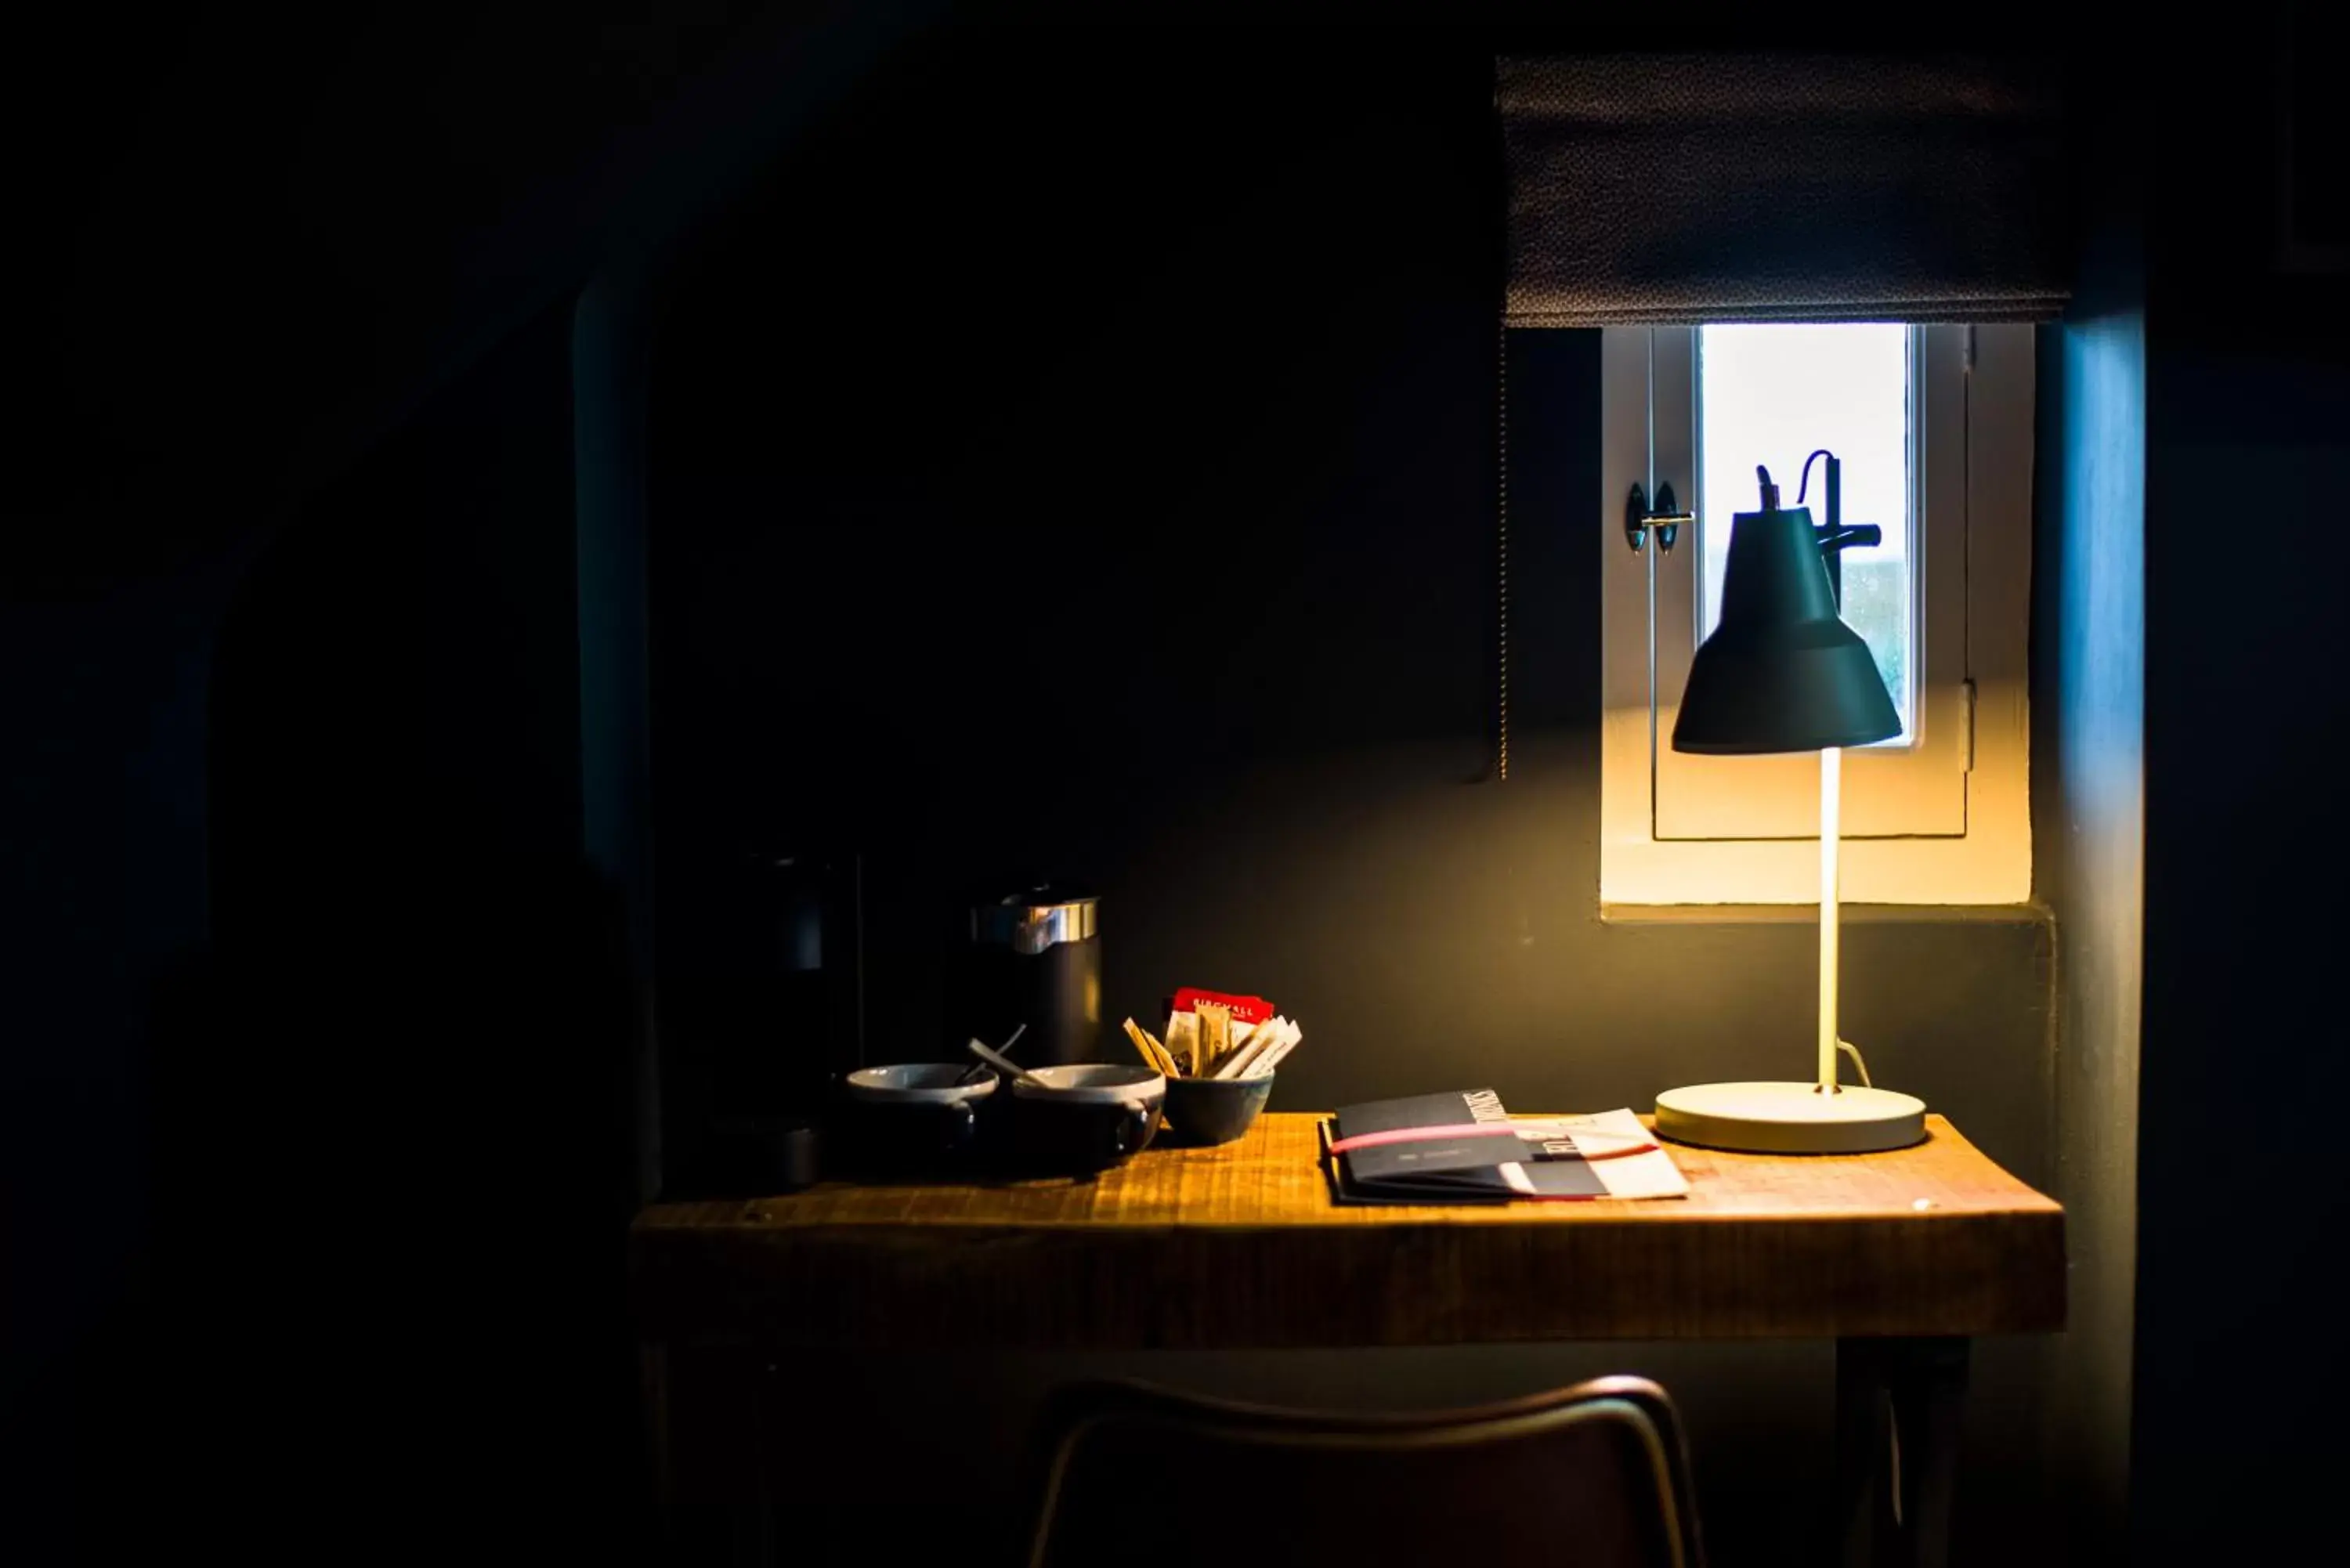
{"points": [[261, 271], [1092, 473], [2248, 397], [2089, 704], [417, 1001]]}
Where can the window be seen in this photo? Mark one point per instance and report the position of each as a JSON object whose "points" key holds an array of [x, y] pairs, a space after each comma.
{"points": [[1765, 391], [1932, 426]]}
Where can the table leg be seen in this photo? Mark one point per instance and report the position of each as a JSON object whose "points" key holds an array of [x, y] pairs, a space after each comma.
{"points": [[1897, 1407]]}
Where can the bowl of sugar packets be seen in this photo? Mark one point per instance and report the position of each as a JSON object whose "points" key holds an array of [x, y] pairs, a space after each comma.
{"points": [[1218, 1058]]}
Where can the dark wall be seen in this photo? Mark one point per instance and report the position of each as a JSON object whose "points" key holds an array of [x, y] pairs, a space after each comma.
{"points": [[1090, 473], [251, 259], [2088, 669], [2247, 376], [102, 843], [411, 998], [1125, 510]]}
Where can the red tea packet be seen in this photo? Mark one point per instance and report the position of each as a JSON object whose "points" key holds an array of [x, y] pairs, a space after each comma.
{"points": [[1244, 1009]]}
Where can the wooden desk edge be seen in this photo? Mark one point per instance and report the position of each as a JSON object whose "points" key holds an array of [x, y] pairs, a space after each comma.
{"points": [[1607, 1270]]}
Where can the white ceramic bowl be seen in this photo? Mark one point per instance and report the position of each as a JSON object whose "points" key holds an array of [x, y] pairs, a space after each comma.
{"points": [[1093, 1082], [918, 1083]]}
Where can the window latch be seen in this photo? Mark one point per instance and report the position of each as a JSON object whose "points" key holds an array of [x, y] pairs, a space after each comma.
{"points": [[1666, 517]]}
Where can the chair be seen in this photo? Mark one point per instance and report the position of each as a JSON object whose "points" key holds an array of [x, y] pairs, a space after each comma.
{"points": [[1139, 1477]]}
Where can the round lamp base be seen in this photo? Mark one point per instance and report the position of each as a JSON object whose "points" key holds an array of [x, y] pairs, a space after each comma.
{"points": [[1790, 1118]]}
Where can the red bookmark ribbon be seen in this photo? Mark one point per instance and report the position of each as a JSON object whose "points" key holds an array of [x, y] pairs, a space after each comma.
{"points": [[1487, 1129]]}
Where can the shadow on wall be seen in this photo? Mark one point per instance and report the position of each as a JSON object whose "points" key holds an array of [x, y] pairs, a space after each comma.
{"points": [[389, 1156]]}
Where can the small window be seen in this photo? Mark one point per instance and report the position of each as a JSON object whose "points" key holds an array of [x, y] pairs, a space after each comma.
{"points": [[1764, 392], [1932, 429]]}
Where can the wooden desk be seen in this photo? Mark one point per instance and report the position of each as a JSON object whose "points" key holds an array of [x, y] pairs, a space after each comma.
{"points": [[1898, 1256]]}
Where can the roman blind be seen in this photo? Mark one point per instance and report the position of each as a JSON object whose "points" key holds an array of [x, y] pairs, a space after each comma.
{"points": [[1679, 188]]}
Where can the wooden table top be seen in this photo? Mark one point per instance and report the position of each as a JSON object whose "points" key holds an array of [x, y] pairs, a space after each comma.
{"points": [[1241, 1246]]}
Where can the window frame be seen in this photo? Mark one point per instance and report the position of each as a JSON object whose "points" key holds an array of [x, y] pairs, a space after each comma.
{"points": [[1973, 558]]}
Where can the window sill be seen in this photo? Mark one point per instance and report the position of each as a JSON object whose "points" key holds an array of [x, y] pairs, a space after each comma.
{"points": [[2033, 914]]}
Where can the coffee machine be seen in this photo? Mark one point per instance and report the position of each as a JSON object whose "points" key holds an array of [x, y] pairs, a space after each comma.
{"points": [[1034, 965]]}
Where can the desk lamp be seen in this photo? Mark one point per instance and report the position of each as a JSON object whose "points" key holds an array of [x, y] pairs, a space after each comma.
{"points": [[1782, 672]]}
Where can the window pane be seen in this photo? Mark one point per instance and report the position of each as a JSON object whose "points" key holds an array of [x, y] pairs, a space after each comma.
{"points": [[1773, 395]]}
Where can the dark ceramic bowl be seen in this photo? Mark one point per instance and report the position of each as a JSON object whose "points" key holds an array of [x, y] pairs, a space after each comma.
{"points": [[1083, 1117], [1214, 1110], [916, 1118]]}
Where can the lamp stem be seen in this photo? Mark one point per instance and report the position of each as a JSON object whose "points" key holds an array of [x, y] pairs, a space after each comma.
{"points": [[1830, 894]]}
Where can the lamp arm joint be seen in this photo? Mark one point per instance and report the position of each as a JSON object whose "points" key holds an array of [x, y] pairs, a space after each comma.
{"points": [[1856, 536]]}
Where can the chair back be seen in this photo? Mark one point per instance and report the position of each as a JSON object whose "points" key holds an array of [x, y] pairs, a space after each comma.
{"points": [[1139, 1477]]}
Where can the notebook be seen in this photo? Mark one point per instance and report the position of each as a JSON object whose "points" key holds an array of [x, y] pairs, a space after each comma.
{"points": [[1465, 1148]]}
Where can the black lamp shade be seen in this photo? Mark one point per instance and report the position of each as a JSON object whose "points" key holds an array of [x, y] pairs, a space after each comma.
{"points": [[1782, 672]]}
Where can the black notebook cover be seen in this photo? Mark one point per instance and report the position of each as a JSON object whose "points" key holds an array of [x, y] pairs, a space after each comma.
{"points": [[1468, 1169], [1390, 1162]]}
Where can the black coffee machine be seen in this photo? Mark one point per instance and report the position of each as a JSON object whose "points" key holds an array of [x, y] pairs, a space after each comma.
{"points": [[1035, 961]]}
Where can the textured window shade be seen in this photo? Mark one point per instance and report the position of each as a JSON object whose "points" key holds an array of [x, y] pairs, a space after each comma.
{"points": [[1690, 188]]}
